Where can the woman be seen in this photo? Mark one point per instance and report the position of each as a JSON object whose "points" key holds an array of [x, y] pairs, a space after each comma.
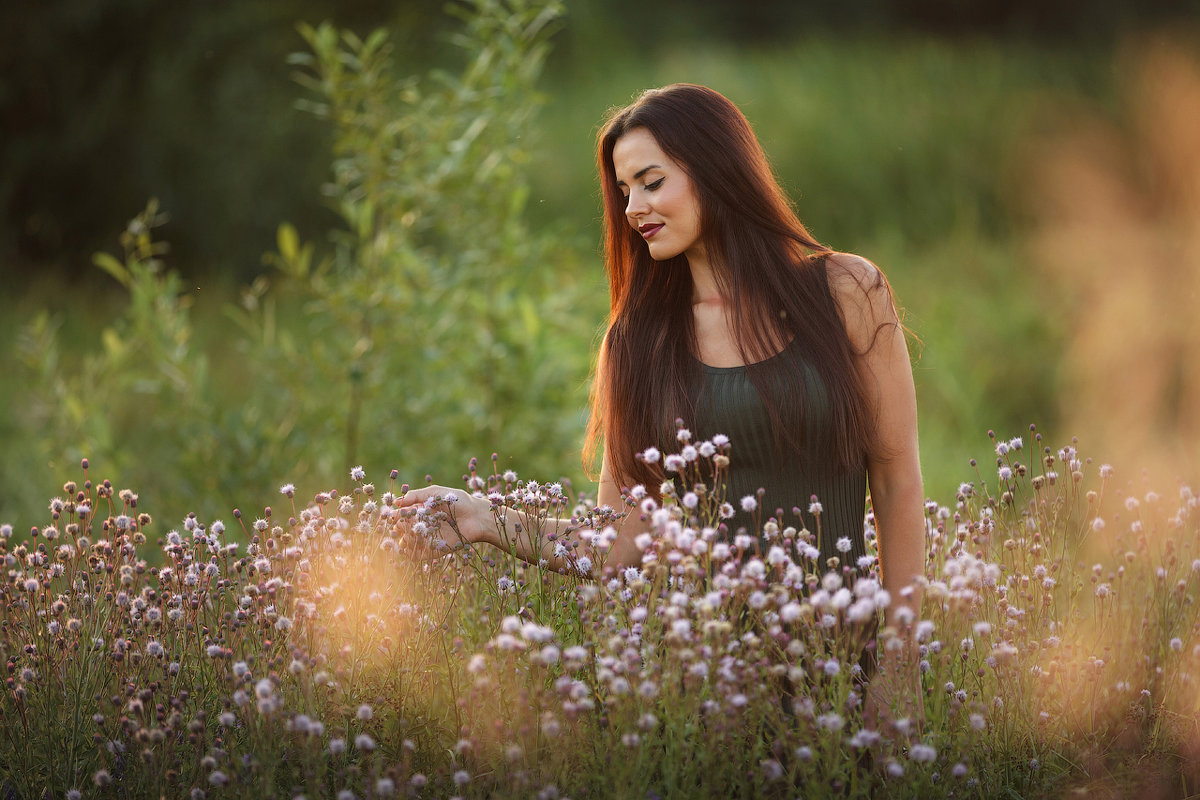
{"points": [[728, 315]]}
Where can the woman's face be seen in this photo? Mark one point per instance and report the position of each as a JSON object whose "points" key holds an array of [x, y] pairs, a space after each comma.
{"points": [[659, 200]]}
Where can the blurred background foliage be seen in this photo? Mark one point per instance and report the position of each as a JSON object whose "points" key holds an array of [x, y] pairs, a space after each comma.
{"points": [[381, 248]]}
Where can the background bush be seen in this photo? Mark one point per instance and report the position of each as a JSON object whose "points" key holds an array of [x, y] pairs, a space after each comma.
{"points": [[440, 296]]}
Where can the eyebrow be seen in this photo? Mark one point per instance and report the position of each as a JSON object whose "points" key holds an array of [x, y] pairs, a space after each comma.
{"points": [[640, 173]]}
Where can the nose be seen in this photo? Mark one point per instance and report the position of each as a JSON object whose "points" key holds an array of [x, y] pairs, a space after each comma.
{"points": [[635, 205]]}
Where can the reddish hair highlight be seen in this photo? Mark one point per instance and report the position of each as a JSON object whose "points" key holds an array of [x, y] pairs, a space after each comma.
{"points": [[759, 251]]}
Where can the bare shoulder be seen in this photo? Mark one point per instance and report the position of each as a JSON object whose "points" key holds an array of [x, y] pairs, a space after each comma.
{"points": [[860, 289], [851, 274]]}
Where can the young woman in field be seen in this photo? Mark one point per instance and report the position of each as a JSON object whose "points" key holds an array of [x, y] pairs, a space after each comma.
{"points": [[727, 314]]}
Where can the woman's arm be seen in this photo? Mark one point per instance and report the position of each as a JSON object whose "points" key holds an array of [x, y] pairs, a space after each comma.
{"points": [[894, 472], [527, 538]]}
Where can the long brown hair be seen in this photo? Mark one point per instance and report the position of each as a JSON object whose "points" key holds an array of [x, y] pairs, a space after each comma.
{"points": [[759, 253]]}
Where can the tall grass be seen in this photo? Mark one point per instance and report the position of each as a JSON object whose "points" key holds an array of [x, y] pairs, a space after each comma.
{"points": [[316, 649]]}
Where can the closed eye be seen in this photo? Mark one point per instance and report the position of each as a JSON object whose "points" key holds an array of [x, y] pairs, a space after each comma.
{"points": [[650, 187]]}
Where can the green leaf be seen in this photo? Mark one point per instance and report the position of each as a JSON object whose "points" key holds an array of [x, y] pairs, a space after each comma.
{"points": [[288, 241], [113, 267]]}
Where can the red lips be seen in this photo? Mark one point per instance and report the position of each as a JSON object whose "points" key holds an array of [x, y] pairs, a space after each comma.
{"points": [[649, 230]]}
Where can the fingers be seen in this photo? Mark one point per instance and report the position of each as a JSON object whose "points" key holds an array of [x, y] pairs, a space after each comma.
{"points": [[417, 496]]}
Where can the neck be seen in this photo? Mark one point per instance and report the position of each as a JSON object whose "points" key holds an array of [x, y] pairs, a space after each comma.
{"points": [[704, 283]]}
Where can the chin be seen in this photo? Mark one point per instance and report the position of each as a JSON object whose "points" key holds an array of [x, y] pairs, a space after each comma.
{"points": [[663, 253]]}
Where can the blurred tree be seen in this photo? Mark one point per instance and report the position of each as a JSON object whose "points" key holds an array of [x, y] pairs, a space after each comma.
{"points": [[103, 103], [106, 102]]}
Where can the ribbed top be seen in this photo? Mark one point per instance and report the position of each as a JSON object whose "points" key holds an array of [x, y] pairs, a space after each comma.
{"points": [[728, 402]]}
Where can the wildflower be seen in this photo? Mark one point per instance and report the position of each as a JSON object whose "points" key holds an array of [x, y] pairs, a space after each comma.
{"points": [[505, 584], [864, 738], [337, 746], [689, 453], [462, 778], [922, 753], [365, 712], [843, 544], [749, 503], [831, 722], [690, 500], [1006, 473], [754, 569], [357, 474], [214, 650], [218, 778], [1177, 644], [674, 463], [1106, 470], [894, 769]]}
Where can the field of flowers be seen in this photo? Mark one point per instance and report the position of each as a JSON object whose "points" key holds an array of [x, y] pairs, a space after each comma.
{"points": [[315, 649]]}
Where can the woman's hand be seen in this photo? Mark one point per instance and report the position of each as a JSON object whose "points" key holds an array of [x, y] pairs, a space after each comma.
{"points": [[450, 515]]}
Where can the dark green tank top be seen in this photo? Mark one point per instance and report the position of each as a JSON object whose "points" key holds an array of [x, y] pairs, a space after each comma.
{"points": [[728, 402]]}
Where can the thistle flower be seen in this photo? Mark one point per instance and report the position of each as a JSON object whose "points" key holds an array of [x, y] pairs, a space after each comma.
{"points": [[831, 722]]}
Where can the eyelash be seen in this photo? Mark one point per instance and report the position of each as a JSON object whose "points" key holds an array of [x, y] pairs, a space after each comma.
{"points": [[650, 187]]}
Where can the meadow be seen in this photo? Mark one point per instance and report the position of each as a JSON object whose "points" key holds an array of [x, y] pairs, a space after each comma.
{"points": [[1018, 199]]}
